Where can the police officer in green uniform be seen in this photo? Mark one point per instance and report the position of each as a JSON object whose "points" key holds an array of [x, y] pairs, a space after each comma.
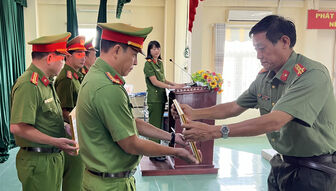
{"points": [[67, 86], [90, 57], [297, 105], [107, 130], [36, 117], [156, 84]]}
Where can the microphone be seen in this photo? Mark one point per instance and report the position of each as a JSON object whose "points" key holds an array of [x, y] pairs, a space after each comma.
{"points": [[184, 69]]}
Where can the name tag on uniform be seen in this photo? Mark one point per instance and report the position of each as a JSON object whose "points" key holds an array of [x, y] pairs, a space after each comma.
{"points": [[158, 70], [49, 100]]}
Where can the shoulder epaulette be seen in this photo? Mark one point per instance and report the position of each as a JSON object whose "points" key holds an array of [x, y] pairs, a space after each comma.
{"points": [[109, 76], [69, 74], [149, 60], [299, 69], [34, 78], [262, 71]]}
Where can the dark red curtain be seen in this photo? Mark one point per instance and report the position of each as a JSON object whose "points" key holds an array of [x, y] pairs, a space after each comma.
{"points": [[193, 4]]}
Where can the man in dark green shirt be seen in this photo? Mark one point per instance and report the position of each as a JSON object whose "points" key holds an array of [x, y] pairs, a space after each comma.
{"points": [[67, 86], [36, 117], [295, 97]]}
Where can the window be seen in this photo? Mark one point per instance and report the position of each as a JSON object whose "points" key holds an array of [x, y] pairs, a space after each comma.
{"points": [[241, 65], [89, 33]]}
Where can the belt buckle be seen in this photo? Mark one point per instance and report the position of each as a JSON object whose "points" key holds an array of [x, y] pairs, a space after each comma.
{"points": [[281, 156], [107, 175]]}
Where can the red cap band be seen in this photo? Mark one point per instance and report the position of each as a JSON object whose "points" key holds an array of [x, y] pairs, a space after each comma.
{"points": [[89, 46], [49, 47], [122, 38], [76, 46]]}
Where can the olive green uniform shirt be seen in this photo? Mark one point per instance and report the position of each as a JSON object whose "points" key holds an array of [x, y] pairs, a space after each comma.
{"points": [[37, 105], [104, 117], [154, 93], [83, 71], [67, 86], [303, 89]]}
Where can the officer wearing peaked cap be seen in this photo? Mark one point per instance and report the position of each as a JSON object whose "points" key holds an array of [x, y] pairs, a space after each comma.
{"points": [[90, 57], [36, 117], [67, 86], [107, 130]]}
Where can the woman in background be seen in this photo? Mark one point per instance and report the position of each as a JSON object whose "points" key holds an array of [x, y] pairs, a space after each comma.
{"points": [[156, 84]]}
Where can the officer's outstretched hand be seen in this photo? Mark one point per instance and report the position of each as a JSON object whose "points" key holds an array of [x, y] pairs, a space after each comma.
{"points": [[185, 155], [187, 110], [197, 131], [179, 139], [67, 145]]}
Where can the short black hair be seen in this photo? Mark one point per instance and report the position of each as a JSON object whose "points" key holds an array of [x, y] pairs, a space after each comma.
{"points": [[105, 45], [39, 55], [150, 46], [275, 27]]}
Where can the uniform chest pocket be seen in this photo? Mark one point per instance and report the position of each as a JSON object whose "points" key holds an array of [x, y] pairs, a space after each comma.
{"points": [[49, 107], [265, 105]]}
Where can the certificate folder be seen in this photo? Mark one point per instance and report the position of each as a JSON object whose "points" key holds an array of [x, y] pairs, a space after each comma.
{"points": [[73, 127], [183, 120]]}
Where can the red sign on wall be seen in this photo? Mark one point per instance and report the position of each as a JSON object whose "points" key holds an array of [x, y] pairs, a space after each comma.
{"points": [[321, 19]]}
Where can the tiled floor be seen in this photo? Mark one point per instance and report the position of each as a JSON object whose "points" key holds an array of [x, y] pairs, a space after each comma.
{"points": [[240, 164]]}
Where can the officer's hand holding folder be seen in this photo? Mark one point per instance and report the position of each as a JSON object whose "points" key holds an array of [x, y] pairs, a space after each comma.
{"points": [[183, 120]]}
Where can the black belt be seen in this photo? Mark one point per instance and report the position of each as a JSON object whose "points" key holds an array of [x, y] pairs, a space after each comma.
{"points": [[322, 163], [125, 174], [42, 149]]}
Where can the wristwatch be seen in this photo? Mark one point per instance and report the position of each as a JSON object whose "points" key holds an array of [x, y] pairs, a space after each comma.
{"points": [[225, 131]]}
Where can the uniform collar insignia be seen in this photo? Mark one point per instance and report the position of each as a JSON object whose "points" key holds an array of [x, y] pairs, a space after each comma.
{"points": [[117, 77], [149, 60], [299, 69], [69, 74], [34, 78], [113, 79], [75, 75], [284, 75], [45, 81]]}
